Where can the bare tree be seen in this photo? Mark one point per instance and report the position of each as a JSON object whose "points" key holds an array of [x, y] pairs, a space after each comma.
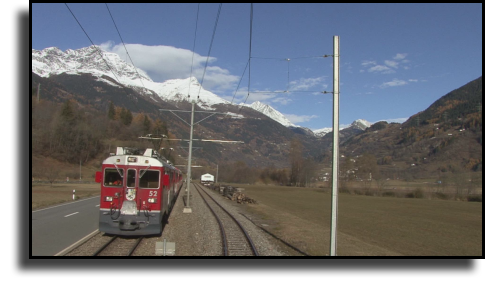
{"points": [[367, 169], [50, 172], [296, 162]]}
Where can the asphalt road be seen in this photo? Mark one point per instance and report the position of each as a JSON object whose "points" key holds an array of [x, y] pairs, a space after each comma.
{"points": [[56, 228]]}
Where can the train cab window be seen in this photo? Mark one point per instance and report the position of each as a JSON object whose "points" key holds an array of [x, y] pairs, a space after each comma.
{"points": [[149, 179], [113, 178], [130, 181]]}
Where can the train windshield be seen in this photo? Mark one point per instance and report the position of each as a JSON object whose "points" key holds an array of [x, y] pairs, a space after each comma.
{"points": [[149, 179], [130, 181], [113, 177]]}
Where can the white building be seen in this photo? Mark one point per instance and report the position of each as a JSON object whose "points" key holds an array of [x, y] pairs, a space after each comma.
{"points": [[207, 179]]}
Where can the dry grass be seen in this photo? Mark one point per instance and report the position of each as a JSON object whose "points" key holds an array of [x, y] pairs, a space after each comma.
{"points": [[369, 226], [45, 195]]}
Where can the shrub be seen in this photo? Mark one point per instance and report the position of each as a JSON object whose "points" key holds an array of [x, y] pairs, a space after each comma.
{"points": [[442, 196], [418, 193], [474, 198], [358, 192], [409, 195], [344, 190], [388, 194]]}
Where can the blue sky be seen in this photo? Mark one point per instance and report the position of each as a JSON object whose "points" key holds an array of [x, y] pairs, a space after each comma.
{"points": [[396, 59]]}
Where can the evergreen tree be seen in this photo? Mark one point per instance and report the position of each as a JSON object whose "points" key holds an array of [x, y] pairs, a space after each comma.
{"points": [[126, 116], [146, 124], [111, 111], [67, 112]]}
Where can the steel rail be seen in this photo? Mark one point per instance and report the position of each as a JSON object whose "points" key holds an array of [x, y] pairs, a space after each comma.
{"points": [[246, 235]]}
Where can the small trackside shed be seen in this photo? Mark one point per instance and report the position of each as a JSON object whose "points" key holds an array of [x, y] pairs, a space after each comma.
{"points": [[207, 179]]}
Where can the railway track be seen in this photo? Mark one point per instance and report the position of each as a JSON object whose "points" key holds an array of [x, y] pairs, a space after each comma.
{"points": [[235, 239], [118, 246]]}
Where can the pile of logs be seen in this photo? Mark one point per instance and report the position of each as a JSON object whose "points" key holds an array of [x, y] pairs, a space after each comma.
{"points": [[242, 199], [234, 194]]}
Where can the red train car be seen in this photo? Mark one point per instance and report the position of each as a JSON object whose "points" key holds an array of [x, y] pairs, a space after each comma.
{"points": [[138, 189]]}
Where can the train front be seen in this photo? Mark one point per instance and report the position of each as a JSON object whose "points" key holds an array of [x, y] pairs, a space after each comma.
{"points": [[131, 193]]}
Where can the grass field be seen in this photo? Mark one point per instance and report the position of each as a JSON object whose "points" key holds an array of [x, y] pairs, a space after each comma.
{"points": [[45, 195], [368, 226]]}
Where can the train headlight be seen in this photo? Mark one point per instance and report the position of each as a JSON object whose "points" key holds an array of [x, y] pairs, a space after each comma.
{"points": [[131, 159], [108, 199], [152, 200]]}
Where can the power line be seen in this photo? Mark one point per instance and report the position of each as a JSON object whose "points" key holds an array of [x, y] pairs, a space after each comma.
{"points": [[250, 47], [210, 47], [193, 48], [101, 54], [280, 58], [240, 81], [124, 45], [290, 91]]}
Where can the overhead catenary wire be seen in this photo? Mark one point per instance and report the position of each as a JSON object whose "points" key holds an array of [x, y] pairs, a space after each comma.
{"points": [[210, 48], [288, 74], [250, 47], [247, 63], [193, 49], [99, 51], [273, 58], [124, 45], [292, 58]]}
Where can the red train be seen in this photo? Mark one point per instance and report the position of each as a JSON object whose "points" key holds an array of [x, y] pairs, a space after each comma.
{"points": [[138, 189]]}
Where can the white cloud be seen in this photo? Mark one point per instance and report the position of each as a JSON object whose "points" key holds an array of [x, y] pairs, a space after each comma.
{"points": [[391, 63], [242, 96], [295, 119], [307, 84], [381, 68], [388, 64], [283, 100], [393, 83], [413, 80], [400, 56], [166, 62], [368, 62]]}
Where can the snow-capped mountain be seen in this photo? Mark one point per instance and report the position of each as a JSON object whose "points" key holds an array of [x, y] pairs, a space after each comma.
{"points": [[102, 64], [270, 112], [85, 60], [359, 124], [321, 132], [180, 89], [93, 60]]}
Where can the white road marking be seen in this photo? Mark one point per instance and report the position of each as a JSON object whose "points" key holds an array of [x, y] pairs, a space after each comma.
{"points": [[71, 214], [65, 204]]}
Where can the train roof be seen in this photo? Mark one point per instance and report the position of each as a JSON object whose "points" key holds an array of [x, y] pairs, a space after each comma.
{"points": [[143, 157]]}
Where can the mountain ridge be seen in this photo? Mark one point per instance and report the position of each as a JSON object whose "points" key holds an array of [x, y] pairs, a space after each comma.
{"points": [[53, 61]]}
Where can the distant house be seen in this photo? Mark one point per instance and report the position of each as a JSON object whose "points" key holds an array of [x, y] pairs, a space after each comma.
{"points": [[207, 179]]}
